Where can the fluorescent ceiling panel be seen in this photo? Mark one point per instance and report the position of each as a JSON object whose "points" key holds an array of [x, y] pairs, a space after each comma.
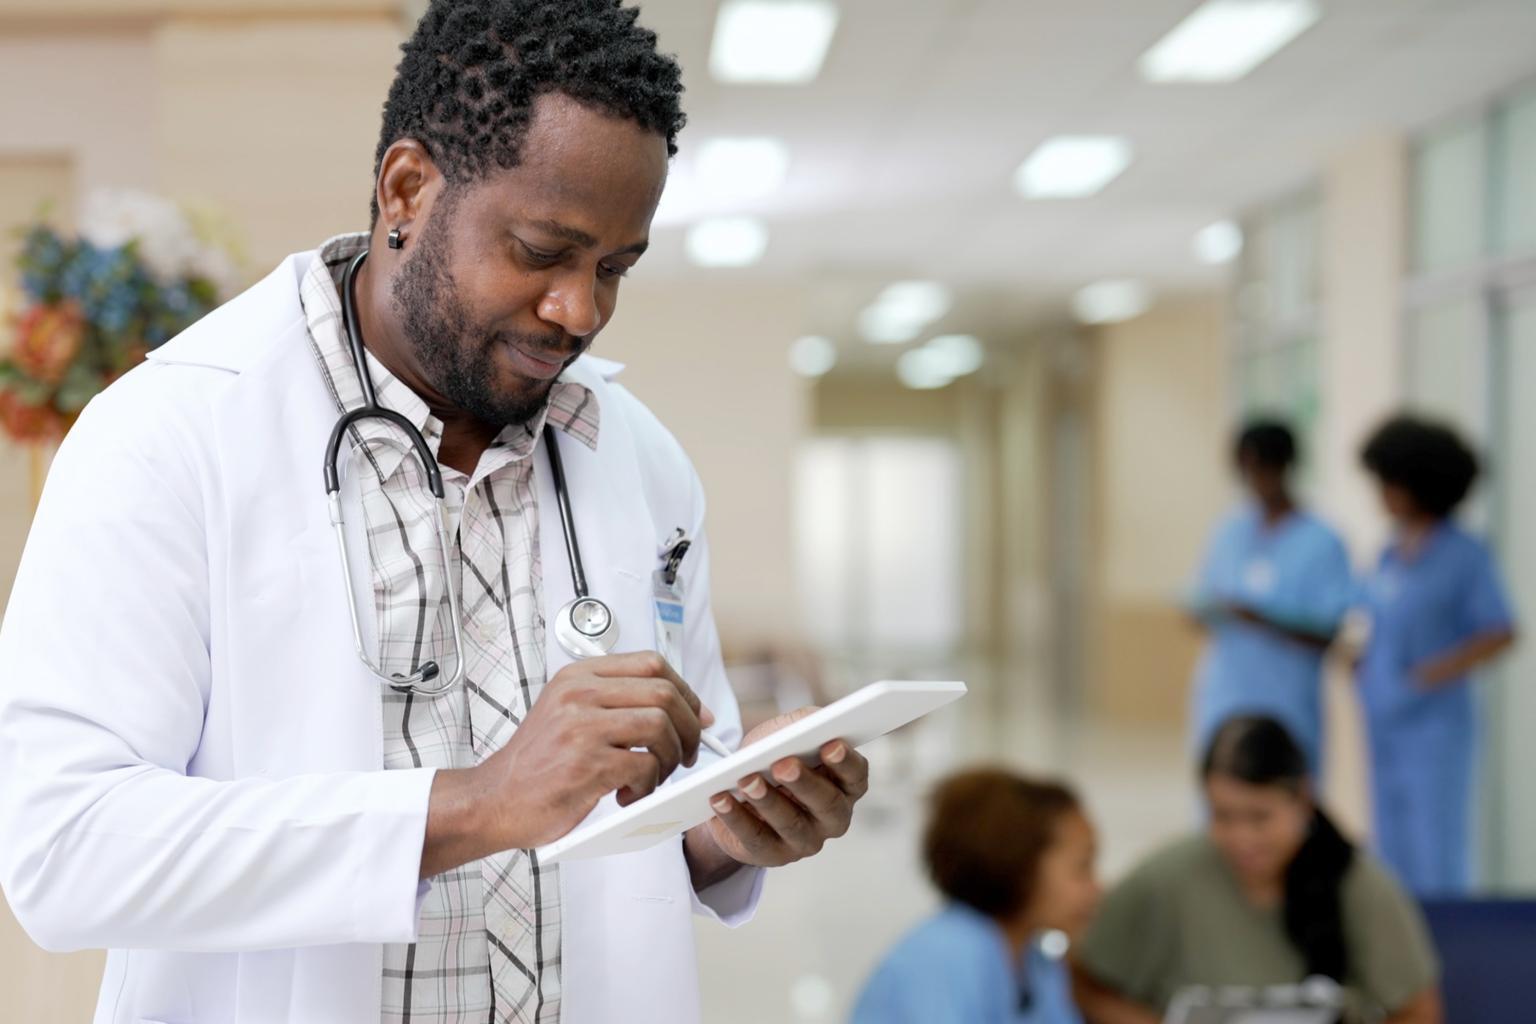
{"points": [[779, 42], [1223, 40]]}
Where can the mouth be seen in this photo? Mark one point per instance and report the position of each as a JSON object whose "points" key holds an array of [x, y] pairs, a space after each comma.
{"points": [[539, 367]]}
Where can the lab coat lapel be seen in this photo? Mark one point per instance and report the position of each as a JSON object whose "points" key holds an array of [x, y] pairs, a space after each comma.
{"points": [[614, 909], [613, 528]]}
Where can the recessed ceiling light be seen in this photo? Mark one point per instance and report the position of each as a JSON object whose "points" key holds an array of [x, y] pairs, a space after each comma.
{"points": [[1220, 242], [1070, 166], [771, 41], [922, 369], [727, 242], [956, 354], [812, 356], [901, 311], [1223, 40], [1110, 302], [748, 167]]}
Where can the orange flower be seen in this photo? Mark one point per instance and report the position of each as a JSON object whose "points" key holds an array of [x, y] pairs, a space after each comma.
{"points": [[30, 423], [47, 340]]}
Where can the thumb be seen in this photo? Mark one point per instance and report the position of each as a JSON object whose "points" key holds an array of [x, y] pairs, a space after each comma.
{"points": [[778, 722]]}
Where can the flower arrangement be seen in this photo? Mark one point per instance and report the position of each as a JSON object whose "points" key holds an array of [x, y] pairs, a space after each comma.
{"points": [[139, 270]]}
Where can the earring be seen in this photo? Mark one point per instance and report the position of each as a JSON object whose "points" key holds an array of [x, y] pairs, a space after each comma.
{"points": [[394, 240]]}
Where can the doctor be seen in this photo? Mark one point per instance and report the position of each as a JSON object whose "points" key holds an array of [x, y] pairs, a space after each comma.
{"points": [[198, 770]]}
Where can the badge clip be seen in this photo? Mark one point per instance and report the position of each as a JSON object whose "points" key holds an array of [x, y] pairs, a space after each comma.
{"points": [[672, 555]]}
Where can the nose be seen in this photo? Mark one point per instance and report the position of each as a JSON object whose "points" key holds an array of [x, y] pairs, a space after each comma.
{"points": [[571, 304]]}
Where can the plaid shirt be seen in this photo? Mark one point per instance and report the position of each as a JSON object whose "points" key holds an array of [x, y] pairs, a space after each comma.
{"points": [[489, 940]]}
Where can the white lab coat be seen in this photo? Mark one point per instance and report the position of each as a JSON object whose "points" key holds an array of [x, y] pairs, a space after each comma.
{"points": [[190, 747]]}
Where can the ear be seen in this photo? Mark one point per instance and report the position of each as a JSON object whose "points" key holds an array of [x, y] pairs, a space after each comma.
{"points": [[408, 182]]}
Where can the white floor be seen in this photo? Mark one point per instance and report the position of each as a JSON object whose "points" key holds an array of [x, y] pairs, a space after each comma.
{"points": [[824, 923]]}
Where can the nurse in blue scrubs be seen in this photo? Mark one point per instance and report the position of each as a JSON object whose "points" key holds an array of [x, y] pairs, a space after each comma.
{"points": [[1014, 861], [1438, 611], [1272, 592]]}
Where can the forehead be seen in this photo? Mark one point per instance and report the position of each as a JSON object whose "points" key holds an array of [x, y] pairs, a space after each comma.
{"points": [[1226, 789], [585, 167]]}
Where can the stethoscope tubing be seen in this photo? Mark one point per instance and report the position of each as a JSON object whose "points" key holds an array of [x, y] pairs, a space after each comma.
{"points": [[579, 646]]}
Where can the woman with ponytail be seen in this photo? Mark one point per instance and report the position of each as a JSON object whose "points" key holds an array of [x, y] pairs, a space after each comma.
{"points": [[1270, 894]]}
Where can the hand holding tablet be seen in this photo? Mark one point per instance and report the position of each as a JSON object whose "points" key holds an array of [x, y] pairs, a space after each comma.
{"points": [[678, 806]]}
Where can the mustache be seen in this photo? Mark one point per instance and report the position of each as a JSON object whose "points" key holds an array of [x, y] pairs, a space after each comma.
{"points": [[555, 347]]}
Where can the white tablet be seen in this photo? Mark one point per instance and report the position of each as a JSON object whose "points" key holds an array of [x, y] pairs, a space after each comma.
{"points": [[678, 806]]}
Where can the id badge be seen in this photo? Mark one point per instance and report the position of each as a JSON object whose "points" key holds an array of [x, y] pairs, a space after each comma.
{"points": [[667, 602], [1260, 577]]}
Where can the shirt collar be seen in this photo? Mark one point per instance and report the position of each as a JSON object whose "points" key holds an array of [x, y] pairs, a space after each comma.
{"points": [[572, 407]]}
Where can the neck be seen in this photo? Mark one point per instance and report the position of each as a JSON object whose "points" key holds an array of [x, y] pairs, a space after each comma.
{"points": [[1018, 931], [1263, 892], [464, 437], [1276, 509], [1413, 532]]}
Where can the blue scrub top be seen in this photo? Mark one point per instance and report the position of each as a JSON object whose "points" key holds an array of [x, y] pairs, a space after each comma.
{"points": [[1423, 608], [1297, 573], [957, 968]]}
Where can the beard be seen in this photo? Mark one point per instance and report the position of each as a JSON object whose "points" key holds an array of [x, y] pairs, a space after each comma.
{"points": [[457, 356]]}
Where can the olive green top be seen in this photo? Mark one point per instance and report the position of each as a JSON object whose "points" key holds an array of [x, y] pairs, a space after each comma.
{"points": [[1180, 919]]}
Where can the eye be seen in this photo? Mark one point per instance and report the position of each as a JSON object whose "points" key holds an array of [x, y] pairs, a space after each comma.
{"points": [[609, 270], [538, 257]]}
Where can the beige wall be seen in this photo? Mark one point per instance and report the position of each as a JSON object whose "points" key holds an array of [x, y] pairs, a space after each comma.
{"points": [[712, 364], [99, 111], [1364, 253], [225, 130], [1160, 428]]}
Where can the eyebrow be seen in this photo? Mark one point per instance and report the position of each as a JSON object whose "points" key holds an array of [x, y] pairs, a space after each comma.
{"points": [[576, 236]]}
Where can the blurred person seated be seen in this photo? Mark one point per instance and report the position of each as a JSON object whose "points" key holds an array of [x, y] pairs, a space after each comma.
{"points": [[1272, 592], [1271, 894], [1014, 859]]}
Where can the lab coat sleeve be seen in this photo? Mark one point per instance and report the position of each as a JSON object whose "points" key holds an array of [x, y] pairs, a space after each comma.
{"points": [[105, 676]]}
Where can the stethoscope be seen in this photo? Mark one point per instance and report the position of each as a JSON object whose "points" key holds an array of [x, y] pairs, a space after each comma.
{"points": [[585, 627]]}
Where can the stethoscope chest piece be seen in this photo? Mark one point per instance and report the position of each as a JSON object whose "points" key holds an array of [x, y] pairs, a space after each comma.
{"points": [[586, 628]]}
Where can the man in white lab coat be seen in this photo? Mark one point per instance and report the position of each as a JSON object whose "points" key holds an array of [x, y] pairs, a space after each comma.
{"points": [[196, 769]]}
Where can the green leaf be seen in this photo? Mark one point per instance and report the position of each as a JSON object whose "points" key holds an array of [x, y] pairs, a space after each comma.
{"points": [[78, 387]]}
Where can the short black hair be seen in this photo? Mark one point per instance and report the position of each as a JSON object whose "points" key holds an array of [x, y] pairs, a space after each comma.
{"points": [[1269, 442], [1429, 460], [471, 71]]}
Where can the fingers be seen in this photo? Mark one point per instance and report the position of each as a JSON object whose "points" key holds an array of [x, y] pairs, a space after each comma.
{"points": [[653, 684], [759, 843], [793, 824], [646, 665], [820, 797], [846, 767], [649, 728], [633, 774]]}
